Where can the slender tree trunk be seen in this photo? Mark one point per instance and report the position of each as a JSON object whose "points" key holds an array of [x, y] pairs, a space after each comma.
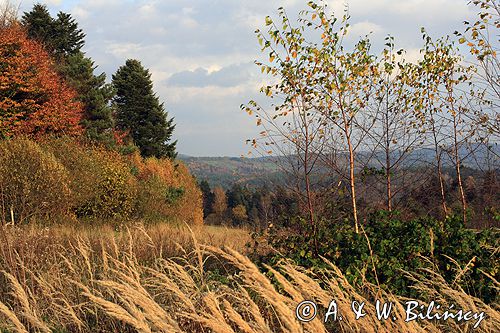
{"points": [[456, 156], [388, 180], [461, 188], [388, 155], [351, 172], [308, 188], [439, 168], [458, 168]]}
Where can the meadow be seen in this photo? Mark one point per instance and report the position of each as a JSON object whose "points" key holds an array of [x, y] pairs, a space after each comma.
{"points": [[164, 278]]}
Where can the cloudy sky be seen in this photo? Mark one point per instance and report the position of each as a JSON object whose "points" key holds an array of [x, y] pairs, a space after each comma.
{"points": [[201, 52]]}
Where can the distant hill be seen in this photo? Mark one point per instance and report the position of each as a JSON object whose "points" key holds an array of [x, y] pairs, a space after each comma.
{"points": [[260, 171], [226, 171]]}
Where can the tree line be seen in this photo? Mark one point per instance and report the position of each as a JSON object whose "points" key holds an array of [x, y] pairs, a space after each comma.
{"points": [[74, 148], [50, 86]]}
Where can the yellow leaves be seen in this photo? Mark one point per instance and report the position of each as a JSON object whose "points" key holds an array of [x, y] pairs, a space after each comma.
{"points": [[294, 54], [314, 16], [271, 58], [259, 122]]}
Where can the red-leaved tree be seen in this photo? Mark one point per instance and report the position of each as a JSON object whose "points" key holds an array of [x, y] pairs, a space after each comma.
{"points": [[34, 100]]}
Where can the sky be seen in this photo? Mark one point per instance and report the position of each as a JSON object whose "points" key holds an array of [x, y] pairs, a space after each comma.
{"points": [[201, 53]]}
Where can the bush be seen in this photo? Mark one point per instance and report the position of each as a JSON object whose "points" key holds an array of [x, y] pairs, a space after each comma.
{"points": [[33, 183], [62, 177], [101, 181], [397, 246], [167, 190]]}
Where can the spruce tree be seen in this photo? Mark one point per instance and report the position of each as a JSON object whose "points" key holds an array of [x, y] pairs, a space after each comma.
{"points": [[95, 95], [40, 26], [69, 38], [61, 36], [140, 112]]}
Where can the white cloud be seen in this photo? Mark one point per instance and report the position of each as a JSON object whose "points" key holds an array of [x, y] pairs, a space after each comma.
{"points": [[361, 29], [53, 2], [79, 13]]}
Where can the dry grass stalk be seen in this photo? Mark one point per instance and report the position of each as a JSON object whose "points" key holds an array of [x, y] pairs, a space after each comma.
{"points": [[10, 315], [127, 283]]}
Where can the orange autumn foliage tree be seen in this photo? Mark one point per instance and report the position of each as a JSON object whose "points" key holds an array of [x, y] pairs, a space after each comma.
{"points": [[34, 101], [167, 190]]}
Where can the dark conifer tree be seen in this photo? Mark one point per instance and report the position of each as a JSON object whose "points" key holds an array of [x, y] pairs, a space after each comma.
{"points": [[69, 39], [40, 26], [208, 198], [61, 36], [140, 112], [95, 95]]}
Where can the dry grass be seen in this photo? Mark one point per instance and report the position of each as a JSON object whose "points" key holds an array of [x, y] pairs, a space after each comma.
{"points": [[138, 280]]}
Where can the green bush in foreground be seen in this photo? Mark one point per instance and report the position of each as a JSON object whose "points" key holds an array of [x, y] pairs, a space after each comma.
{"points": [[390, 248], [101, 181]]}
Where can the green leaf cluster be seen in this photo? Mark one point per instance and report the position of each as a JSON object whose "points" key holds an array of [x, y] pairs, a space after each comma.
{"points": [[390, 246]]}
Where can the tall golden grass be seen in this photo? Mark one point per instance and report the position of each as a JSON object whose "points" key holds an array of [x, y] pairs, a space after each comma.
{"points": [[167, 279]]}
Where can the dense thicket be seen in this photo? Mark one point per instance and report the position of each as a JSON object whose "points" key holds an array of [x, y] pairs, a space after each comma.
{"points": [[33, 183], [391, 249], [60, 179]]}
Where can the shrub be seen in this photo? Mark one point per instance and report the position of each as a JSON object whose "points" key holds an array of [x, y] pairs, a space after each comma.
{"points": [[167, 190], [102, 183], [397, 246], [115, 189], [33, 183], [60, 176]]}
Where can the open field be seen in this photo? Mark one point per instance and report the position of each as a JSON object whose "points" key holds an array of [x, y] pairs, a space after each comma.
{"points": [[162, 278], [33, 243]]}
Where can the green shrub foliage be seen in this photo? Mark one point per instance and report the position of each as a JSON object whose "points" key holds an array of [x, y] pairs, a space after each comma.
{"points": [[390, 247]]}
